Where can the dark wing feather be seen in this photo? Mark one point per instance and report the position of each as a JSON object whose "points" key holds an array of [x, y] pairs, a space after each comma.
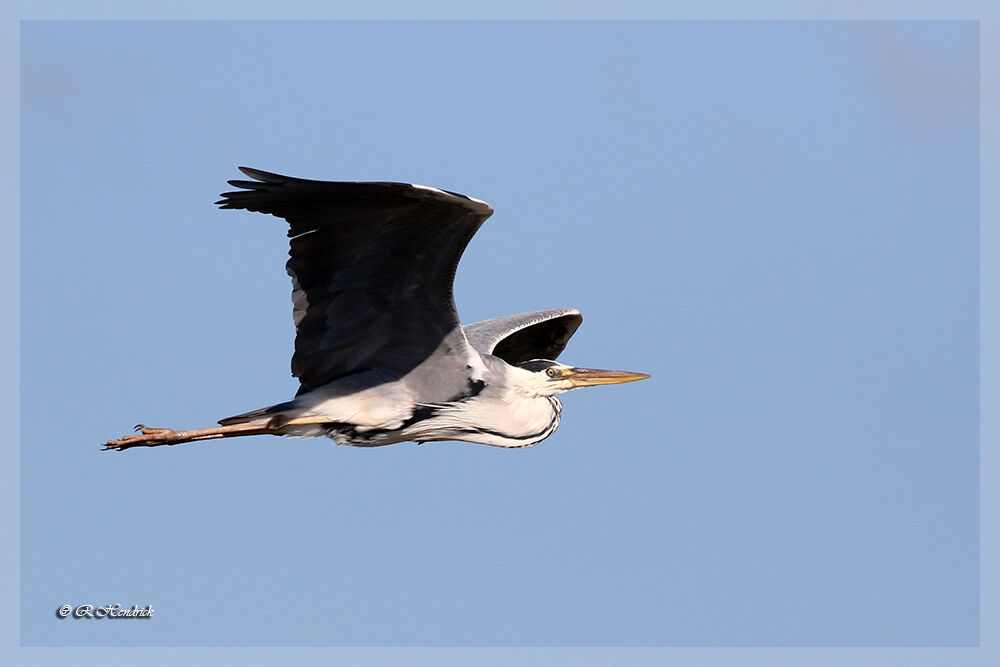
{"points": [[516, 338], [372, 266]]}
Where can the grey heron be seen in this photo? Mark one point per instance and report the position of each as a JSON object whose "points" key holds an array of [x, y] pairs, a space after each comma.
{"points": [[380, 354]]}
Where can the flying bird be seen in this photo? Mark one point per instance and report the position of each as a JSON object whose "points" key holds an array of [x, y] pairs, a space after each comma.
{"points": [[380, 354]]}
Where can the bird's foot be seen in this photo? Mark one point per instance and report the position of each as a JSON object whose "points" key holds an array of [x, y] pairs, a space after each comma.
{"points": [[148, 437]]}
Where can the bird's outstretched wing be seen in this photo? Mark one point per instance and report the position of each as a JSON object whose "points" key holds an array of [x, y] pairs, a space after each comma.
{"points": [[516, 338], [372, 266]]}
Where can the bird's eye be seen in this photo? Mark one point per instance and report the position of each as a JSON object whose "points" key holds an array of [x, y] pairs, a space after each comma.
{"points": [[552, 372]]}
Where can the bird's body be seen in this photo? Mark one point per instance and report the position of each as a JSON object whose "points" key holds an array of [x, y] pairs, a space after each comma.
{"points": [[371, 409], [379, 351]]}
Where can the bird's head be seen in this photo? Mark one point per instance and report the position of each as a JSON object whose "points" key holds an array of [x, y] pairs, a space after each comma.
{"points": [[541, 377]]}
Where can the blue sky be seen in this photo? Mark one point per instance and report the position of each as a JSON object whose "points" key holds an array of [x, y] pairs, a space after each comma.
{"points": [[778, 221]]}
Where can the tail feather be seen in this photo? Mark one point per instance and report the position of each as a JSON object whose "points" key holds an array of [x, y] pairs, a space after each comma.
{"points": [[255, 415]]}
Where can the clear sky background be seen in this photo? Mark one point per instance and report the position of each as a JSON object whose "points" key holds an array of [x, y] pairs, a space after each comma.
{"points": [[778, 221]]}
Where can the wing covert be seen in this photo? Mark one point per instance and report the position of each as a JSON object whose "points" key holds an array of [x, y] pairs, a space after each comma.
{"points": [[515, 338]]}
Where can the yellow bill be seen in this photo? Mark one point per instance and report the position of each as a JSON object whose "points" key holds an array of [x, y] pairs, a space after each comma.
{"points": [[587, 377]]}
